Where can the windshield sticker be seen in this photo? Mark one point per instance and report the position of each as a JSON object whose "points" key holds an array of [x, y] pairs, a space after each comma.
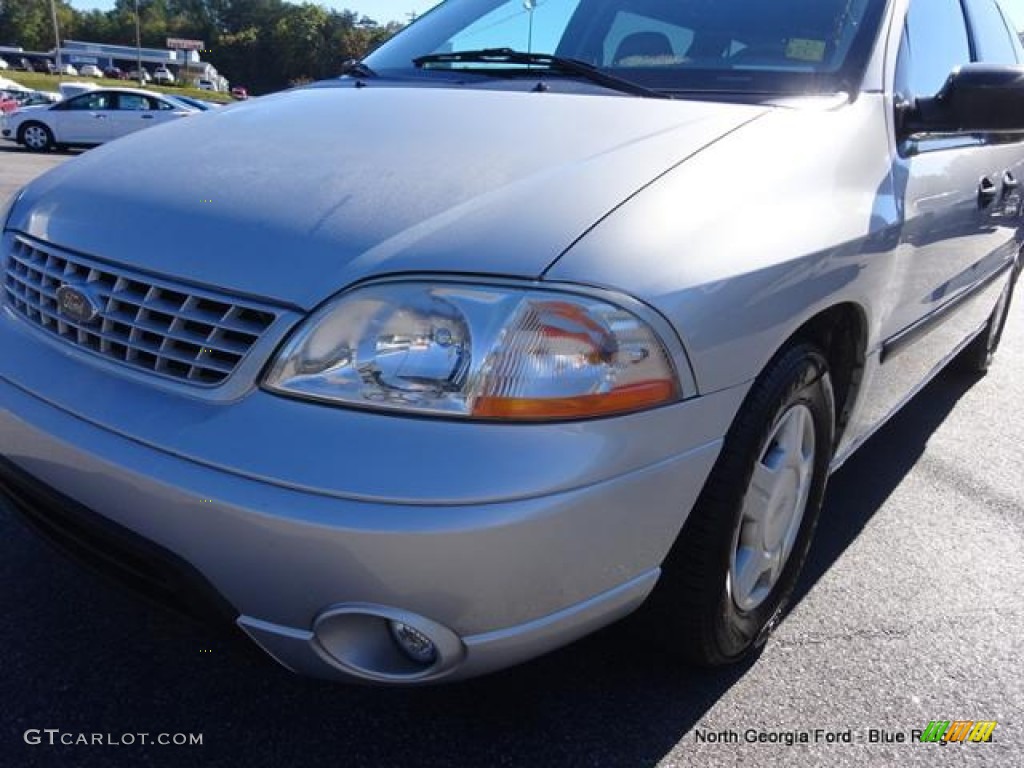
{"points": [[805, 50]]}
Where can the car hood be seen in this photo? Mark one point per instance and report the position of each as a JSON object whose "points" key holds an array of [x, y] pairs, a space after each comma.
{"points": [[23, 111], [295, 196]]}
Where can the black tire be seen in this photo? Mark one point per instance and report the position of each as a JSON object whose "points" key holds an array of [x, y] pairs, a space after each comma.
{"points": [[977, 356], [36, 137], [694, 606]]}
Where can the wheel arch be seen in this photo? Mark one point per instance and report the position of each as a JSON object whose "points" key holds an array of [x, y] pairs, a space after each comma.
{"points": [[841, 333], [28, 124]]}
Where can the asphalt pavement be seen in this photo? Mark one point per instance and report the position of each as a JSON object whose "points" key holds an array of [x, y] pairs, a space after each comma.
{"points": [[910, 610], [18, 167]]}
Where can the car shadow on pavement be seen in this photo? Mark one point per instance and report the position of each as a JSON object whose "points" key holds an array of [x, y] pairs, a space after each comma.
{"points": [[17, 148], [96, 660], [862, 485]]}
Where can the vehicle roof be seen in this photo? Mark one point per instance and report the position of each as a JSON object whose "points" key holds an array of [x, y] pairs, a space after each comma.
{"points": [[118, 89]]}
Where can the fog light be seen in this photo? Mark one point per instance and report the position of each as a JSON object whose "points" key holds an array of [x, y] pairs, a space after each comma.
{"points": [[413, 643]]}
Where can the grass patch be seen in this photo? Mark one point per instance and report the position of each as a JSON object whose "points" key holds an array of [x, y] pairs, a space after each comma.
{"points": [[38, 81]]}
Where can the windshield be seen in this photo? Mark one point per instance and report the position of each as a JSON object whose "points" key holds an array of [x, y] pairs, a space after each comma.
{"points": [[755, 46]]}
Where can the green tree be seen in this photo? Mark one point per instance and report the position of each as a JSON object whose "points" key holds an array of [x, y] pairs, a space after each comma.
{"points": [[26, 23], [262, 44], [301, 41]]}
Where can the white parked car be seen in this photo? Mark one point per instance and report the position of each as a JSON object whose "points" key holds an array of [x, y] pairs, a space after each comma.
{"points": [[134, 75], [163, 75], [10, 85], [68, 69], [205, 85], [90, 70], [3, 64], [91, 118]]}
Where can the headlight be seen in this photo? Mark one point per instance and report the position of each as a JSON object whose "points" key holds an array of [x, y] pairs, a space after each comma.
{"points": [[476, 352]]}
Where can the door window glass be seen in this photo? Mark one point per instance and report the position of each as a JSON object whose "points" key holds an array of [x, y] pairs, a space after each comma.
{"points": [[991, 37], [934, 44], [133, 102], [89, 101]]}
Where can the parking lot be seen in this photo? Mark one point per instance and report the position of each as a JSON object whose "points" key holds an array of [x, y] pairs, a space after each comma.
{"points": [[18, 167], [910, 610]]}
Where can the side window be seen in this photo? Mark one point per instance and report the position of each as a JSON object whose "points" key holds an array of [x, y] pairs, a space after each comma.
{"points": [[934, 44], [89, 101], [132, 102], [991, 37], [1016, 32]]}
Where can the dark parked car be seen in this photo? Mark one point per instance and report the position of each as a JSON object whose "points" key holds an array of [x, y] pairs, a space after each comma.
{"points": [[24, 65], [115, 73]]}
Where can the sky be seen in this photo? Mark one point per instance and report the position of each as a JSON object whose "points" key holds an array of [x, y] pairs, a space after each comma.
{"points": [[381, 11]]}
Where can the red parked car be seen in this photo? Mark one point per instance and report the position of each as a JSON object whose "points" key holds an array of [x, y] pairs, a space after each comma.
{"points": [[12, 100]]}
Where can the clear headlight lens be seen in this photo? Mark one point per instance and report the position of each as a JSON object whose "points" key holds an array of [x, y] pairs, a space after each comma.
{"points": [[478, 352]]}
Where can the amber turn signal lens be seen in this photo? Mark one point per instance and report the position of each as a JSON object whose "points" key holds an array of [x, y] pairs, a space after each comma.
{"points": [[634, 397]]}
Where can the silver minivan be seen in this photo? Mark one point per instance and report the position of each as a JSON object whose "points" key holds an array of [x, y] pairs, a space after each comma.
{"points": [[542, 312]]}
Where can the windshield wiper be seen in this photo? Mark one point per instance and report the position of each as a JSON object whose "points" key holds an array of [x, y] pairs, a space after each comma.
{"points": [[551, 63], [356, 68]]}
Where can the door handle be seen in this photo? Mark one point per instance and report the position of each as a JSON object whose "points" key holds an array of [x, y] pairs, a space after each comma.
{"points": [[100, 117], [1011, 196], [147, 117], [987, 192]]}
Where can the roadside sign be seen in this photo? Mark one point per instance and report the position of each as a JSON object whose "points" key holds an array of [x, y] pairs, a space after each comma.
{"points": [[185, 44]]}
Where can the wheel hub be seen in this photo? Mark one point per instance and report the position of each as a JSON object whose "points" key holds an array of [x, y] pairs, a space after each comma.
{"points": [[773, 508], [34, 137]]}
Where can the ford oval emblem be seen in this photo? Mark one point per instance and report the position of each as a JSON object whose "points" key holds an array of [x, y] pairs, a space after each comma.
{"points": [[76, 304]]}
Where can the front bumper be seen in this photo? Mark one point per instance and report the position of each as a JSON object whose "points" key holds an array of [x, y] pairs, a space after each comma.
{"points": [[522, 538]]}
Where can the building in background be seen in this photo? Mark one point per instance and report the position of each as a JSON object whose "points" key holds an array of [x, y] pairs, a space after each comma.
{"points": [[186, 66]]}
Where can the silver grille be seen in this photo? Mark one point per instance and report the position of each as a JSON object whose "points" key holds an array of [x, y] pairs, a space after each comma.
{"points": [[166, 329]]}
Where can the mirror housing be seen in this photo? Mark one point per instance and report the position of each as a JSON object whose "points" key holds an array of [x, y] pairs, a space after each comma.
{"points": [[976, 98]]}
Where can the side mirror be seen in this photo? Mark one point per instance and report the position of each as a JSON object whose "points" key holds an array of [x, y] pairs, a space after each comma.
{"points": [[977, 98]]}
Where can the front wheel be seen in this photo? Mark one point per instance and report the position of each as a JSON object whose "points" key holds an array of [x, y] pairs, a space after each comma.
{"points": [[978, 355], [726, 582], [37, 137]]}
